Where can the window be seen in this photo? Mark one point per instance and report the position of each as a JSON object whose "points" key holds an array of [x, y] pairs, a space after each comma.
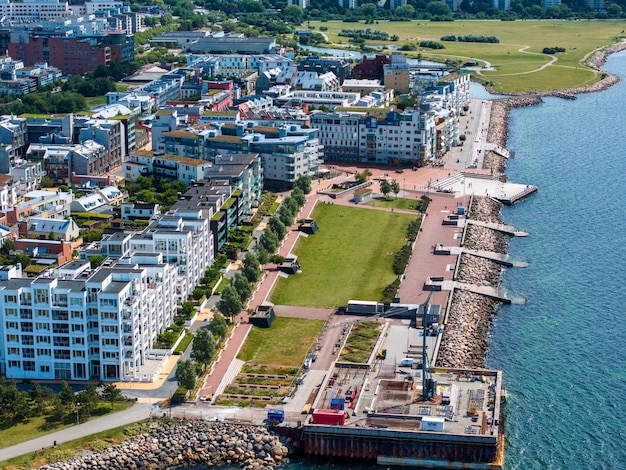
{"points": [[77, 314], [29, 366], [45, 369], [13, 351], [10, 298], [78, 341], [76, 301], [43, 339], [77, 328], [44, 352], [10, 312], [42, 326]]}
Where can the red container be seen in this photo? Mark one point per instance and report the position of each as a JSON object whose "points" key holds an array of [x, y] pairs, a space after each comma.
{"points": [[330, 417]]}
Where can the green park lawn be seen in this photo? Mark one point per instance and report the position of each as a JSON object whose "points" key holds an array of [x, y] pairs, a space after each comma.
{"points": [[390, 201], [285, 343], [516, 70], [350, 257]]}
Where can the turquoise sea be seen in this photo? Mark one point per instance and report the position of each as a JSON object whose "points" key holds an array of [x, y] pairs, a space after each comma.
{"points": [[564, 353]]}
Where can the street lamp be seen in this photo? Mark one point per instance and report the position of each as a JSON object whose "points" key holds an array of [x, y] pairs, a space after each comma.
{"points": [[77, 411]]}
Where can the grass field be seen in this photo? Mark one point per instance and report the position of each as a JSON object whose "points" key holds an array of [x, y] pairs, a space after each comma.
{"points": [[396, 203], [285, 343], [517, 59], [350, 257]]}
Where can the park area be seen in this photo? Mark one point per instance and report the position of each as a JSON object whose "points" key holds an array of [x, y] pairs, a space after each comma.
{"points": [[350, 257], [285, 343], [516, 63]]}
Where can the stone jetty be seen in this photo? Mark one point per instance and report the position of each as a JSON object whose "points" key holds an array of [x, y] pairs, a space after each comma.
{"points": [[187, 443]]}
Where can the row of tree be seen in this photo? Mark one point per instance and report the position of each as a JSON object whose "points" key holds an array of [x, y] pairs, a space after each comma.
{"points": [[203, 350], [18, 406]]}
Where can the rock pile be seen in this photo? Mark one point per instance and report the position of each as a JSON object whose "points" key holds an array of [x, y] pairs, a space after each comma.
{"points": [[185, 443], [464, 341]]}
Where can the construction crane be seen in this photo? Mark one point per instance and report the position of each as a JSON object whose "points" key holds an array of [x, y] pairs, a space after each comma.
{"points": [[427, 383]]}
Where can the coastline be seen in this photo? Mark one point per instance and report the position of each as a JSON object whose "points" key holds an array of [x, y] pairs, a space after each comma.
{"points": [[465, 338]]}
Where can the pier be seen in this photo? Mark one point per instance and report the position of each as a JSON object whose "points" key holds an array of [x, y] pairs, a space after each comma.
{"points": [[499, 258], [499, 227], [487, 291]]}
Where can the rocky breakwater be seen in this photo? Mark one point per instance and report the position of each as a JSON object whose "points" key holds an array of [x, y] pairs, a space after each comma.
{"points": [[188, 443], [464, 342]]}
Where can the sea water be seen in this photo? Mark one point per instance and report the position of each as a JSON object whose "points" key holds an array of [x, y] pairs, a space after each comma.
{"points": [[564, 353]]}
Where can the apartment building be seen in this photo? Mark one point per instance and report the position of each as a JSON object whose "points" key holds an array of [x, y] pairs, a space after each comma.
{"points": [[84, 324], [394, 138]]}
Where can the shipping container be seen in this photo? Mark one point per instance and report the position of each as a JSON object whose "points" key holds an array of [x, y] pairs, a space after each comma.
{"points": [[276, 416], [337, 404], [330, 417], [432, 423]]}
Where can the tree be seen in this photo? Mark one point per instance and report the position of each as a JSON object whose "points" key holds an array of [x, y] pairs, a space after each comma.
{"points": [[438, 9], [293, 13], [23, 259], [47, 182], [286, 215], [269, 240], [614, 10], [298, 195], [361, 177], [186, 309], [88, 400], [230, 303], [111, 393], [218, 326], [67, 395], [96, 260], [291, 204], [242, 286], [262, 255], [277, 226], [203, 347], [186, 374], [304, 183], [395, 187], [251, 268], [385, 187]]}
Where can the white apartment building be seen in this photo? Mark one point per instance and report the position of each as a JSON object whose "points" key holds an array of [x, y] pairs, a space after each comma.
{"points": [[40, 9], [398, 138], [101, 324], [185, 240], [84, 324]]}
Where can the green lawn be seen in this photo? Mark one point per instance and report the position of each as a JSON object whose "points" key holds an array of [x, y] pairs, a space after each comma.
{"points": [[285, 343], [396, 203], [515, 69], [38, 426], [350, 257]]}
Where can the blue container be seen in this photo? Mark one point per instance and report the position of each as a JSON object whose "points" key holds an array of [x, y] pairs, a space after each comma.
{"points": [[277, 416], [337, 404], [460, 210]]}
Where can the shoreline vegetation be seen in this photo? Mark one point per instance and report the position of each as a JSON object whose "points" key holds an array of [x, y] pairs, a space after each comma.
{"points": [[465, 339]]}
